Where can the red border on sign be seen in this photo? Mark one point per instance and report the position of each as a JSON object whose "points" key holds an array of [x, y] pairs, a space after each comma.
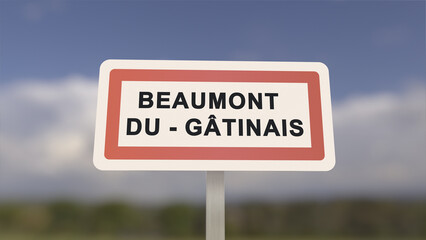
{"points": [[117, 76]]}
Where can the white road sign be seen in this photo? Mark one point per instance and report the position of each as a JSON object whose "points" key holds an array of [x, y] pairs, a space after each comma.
{"points": [[214, 116]]}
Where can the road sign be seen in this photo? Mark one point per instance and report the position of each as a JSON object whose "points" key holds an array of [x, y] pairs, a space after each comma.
{"points": [[213, 116]]}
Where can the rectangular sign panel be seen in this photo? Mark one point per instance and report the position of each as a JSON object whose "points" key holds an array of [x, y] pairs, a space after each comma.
{"points": [[213, 115]]}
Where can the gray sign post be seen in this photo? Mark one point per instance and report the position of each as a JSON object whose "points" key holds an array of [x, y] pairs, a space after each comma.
{"points": [[215, 205]]}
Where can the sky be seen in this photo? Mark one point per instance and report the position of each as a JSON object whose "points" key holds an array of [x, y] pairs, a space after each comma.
{"points": [[50, 53]]}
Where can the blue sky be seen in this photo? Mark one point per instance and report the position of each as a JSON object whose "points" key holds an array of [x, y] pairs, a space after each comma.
{"points": [[50, 53], [368, 45]]}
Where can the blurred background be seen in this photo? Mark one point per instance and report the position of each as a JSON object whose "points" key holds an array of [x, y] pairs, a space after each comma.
{"points": [[50, 53]]}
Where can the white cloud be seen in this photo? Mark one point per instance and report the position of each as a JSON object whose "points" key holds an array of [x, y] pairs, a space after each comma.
{"points": [[36, 10], [391, 36], [46, 145], [380, 144], [46, 141], [47, 121]]}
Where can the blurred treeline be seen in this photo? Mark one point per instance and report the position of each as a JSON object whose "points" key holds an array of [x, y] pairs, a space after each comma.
{"points": [[324, 219]]}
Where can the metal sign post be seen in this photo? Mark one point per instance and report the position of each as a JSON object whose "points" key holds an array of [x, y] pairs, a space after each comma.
{"points": [[215, 205]]}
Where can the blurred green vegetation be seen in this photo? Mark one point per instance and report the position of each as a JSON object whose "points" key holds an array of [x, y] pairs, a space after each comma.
{"points": [[306, 220]]}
